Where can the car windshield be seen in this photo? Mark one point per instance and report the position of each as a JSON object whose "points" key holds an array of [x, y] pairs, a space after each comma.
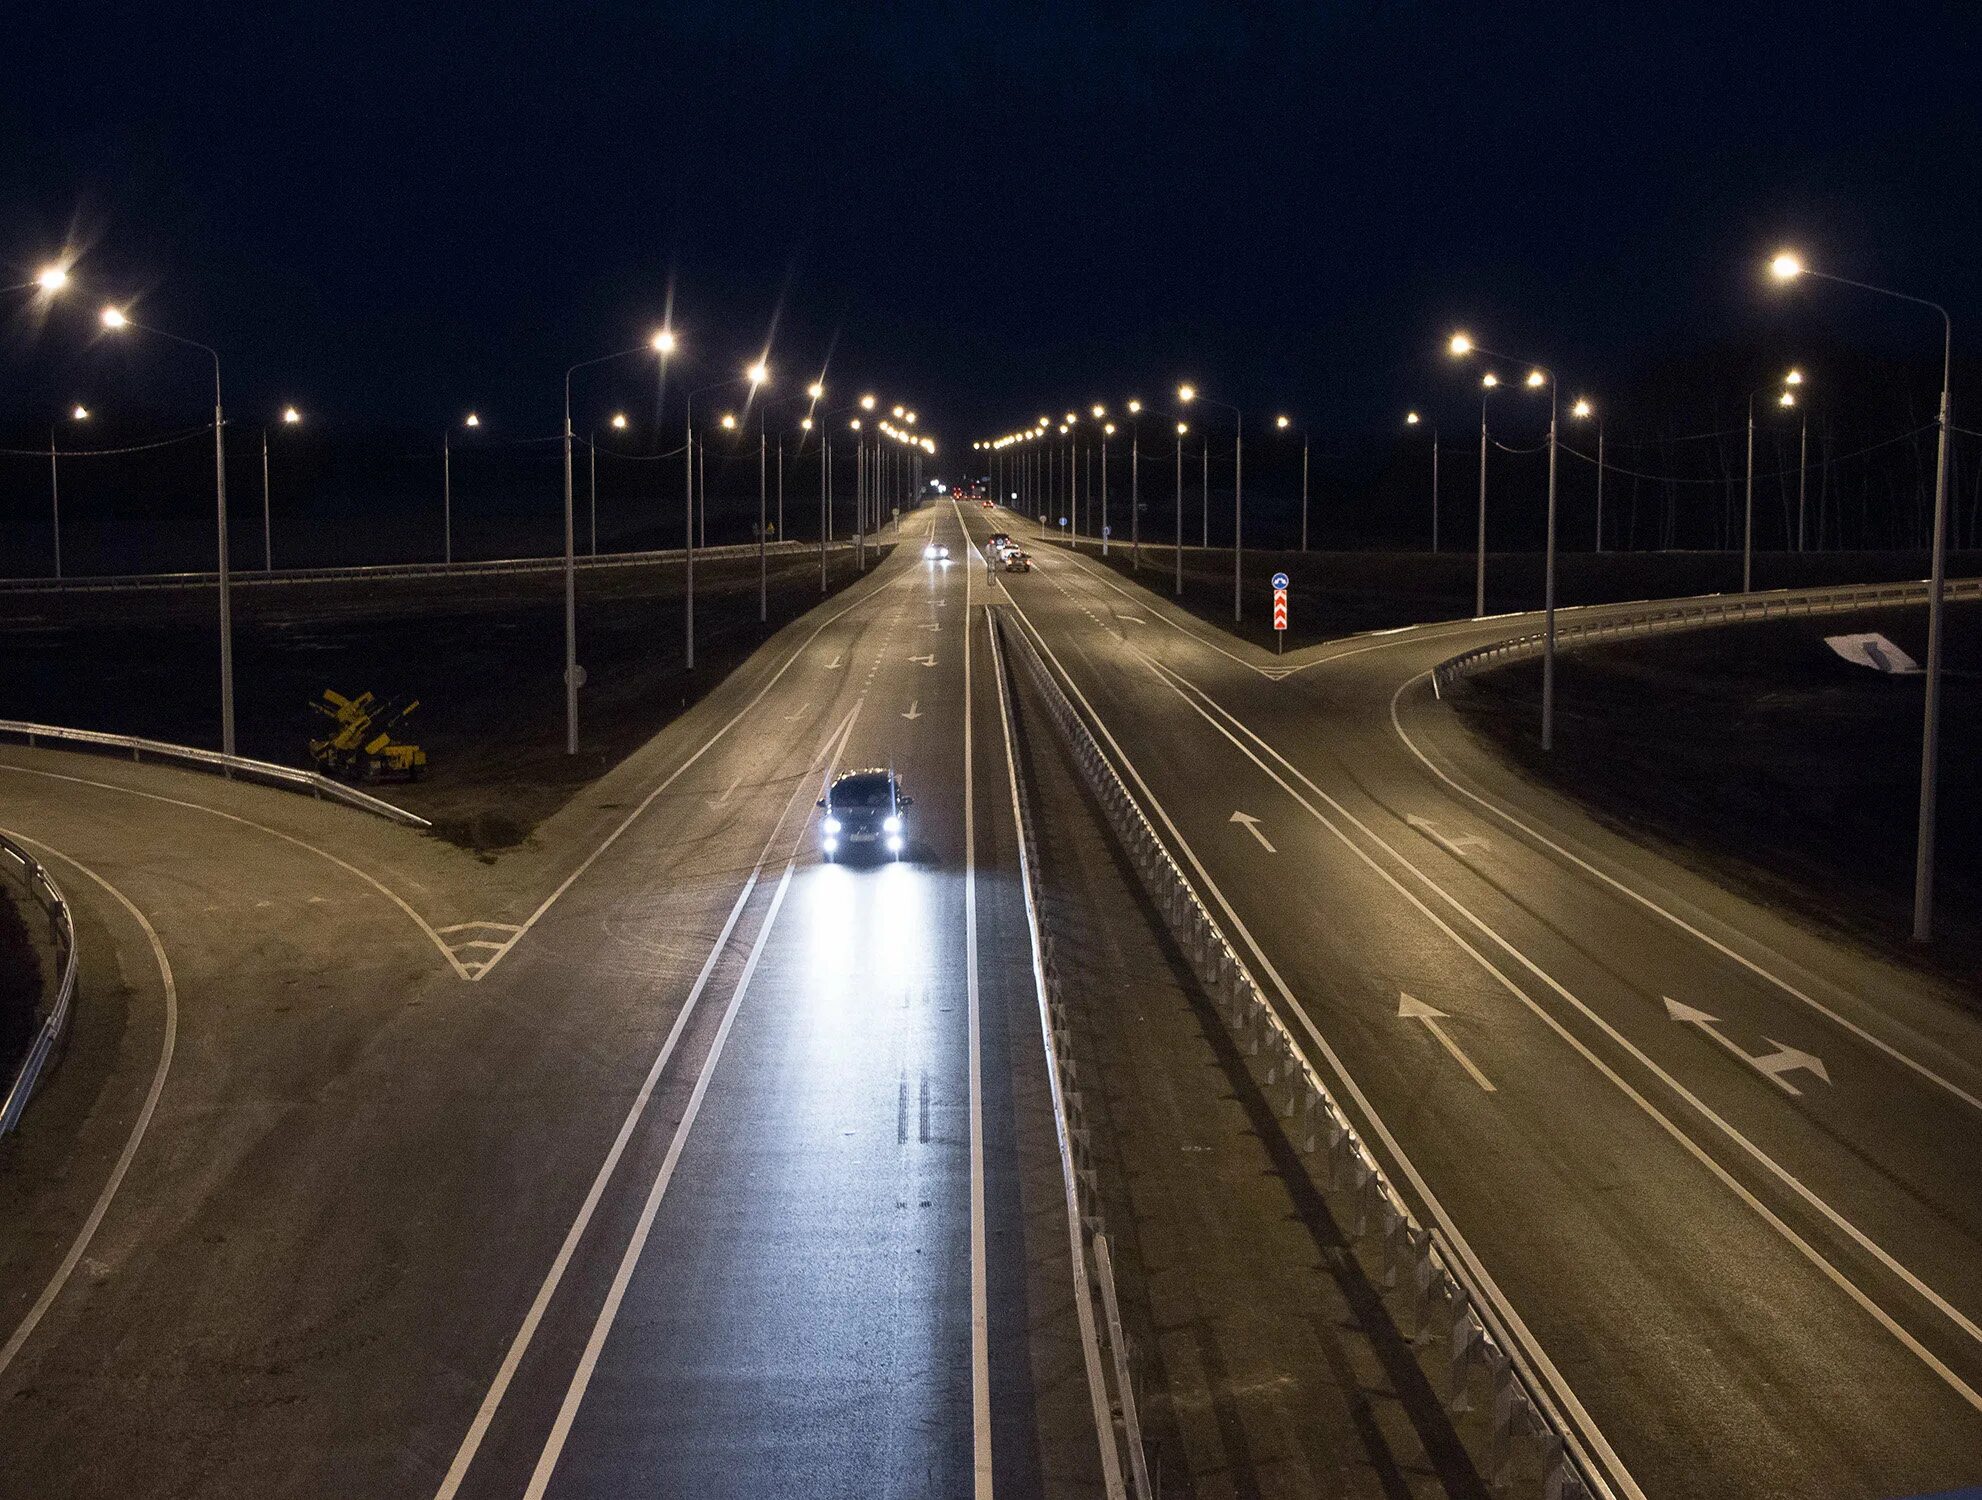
{"points": [[861, 792]]}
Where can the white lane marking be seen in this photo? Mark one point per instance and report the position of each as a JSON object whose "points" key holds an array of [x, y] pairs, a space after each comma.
{"points": [[1251, 824], [139, 1126], [833, 665], [581, 1378], [478, 1429], [1518, 1329], [1771, 1065], [914, 712], [275, 833], [1631, 893], [1412, 1009], [673, 776], [980, 1304], [792, 717], [1097, 1387], [735, 782], [929, 660], [1755, 1153], [1454, 844]]}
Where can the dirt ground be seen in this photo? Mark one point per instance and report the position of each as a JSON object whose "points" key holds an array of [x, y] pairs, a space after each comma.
{"points": [[484, 656]]}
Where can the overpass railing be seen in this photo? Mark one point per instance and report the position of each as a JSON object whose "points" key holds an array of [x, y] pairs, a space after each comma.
{"points": [[52, 1018], [1458, 1327], [1592, 624], [213, 760]]}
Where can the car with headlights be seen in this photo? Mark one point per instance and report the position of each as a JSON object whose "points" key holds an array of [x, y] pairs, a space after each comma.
{"points": [[865, 810], [935, 552], [1017, 561]]}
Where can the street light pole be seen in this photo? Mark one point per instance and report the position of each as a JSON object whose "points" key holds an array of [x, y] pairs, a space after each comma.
{"points": [[1487, 383], [1748, 504], [1178, 587], [763, 522], [115, 318], [55, 499], [1787, 267]]}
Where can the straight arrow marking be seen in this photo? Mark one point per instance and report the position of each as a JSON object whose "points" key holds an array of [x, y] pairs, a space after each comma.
{"points": [[913, 711], [1412, 1009], [927, 661], [1771, 1065], [1252, 827]]}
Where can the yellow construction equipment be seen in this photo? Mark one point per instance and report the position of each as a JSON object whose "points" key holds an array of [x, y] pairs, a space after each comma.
{"points": [[362, 748]]}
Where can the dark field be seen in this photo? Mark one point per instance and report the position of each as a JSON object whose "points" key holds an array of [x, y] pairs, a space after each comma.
{"points": [[1333, 594], [1756, 748], [485, 657]]}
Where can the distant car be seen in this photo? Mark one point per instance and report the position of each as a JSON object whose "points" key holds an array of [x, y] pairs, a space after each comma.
{"points": [[1017, 561], [864, 809], [935, 552], [986, 504]]}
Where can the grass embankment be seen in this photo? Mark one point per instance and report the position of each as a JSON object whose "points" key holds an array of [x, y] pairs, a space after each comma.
{"points": [[1758, 751], [483, 655]]}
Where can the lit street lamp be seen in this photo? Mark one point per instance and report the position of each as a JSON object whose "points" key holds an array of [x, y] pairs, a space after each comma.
{"points": [[1283, 423], [1178, 587], [1787, 397], [115, 319], [1787, 267], [1584, 411], [79, 413], [290, 417], [1412, 419], [1538, 376], [1187, 394], [447, 488], [662, 344]]}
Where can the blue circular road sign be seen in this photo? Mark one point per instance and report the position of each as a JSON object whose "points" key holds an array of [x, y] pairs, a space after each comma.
{"points": [[1280, 580]]}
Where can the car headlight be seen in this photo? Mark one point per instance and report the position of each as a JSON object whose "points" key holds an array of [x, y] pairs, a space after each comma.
{"points": [[892, 823], [831, 825], [894, 844]]}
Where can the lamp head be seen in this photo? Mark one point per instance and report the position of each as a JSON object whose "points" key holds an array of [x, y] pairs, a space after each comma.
{"points": [[1411, 419], [729, 421], [815, 390], [291, 416], [1459, 346], [81, 413], [1135, 408], [663, 341], [113, 317], [1786, 266], [1582, 408], [1794, 377], [1283, 423], [855, 424], [619, 421], [1107, 429], [804, 424], [867, 403], [1182, 428], [758, 373], [1535, 379], [1489, 380], [471, 420], [1787, 398], [52, 279], [1187, 394]]}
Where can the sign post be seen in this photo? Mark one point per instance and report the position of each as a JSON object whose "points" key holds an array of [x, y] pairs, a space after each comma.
{"points": [[1279, 613]]}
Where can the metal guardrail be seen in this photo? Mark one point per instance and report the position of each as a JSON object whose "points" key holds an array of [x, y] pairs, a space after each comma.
{"points": [[54, 1023], [1458, 1331], [370, 572], [1619, 622], [213, 760], [1078, 1169]]}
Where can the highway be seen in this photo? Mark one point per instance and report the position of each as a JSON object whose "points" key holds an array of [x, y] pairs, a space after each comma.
{"points": [[663, 1157], [666, 1158], [1714, 1160]]}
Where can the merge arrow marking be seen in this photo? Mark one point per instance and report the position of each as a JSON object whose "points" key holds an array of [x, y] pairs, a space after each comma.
{"points": [[1771, 1065], [1413, 1009], [913, 711], [927, 661], [1252, 827]]}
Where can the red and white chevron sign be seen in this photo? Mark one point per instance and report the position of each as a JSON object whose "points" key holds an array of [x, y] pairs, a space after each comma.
{"points": [[1279, 609]]}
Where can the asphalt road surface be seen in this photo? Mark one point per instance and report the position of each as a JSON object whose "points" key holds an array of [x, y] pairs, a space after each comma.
{"points": [[662, 1157], [1720, 1165], [667, 1158]]}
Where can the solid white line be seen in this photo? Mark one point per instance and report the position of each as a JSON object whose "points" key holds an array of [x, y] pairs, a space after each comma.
{"points": [[1558, 1387], [1630, 893], [136, 1137], [274, 833], [581, 1378], [980, 1315], [1693, 1148], [647, 801], [1097, 1385], [478, 1429]]}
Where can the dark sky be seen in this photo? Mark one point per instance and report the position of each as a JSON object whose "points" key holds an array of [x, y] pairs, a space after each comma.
{"points": [[392, 212]]}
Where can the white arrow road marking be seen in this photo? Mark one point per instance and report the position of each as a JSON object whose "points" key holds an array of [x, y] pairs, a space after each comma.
{"points": [[1413, 1009], [719, 801], [913, 711], [1457, 846], [1133, 619], [1252, 827], [927, 661], [801, 710], [833, 664], [1771, 1065]]}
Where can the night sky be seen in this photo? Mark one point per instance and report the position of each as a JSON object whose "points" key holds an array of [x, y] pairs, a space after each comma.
{"points": [[392, 213]]}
